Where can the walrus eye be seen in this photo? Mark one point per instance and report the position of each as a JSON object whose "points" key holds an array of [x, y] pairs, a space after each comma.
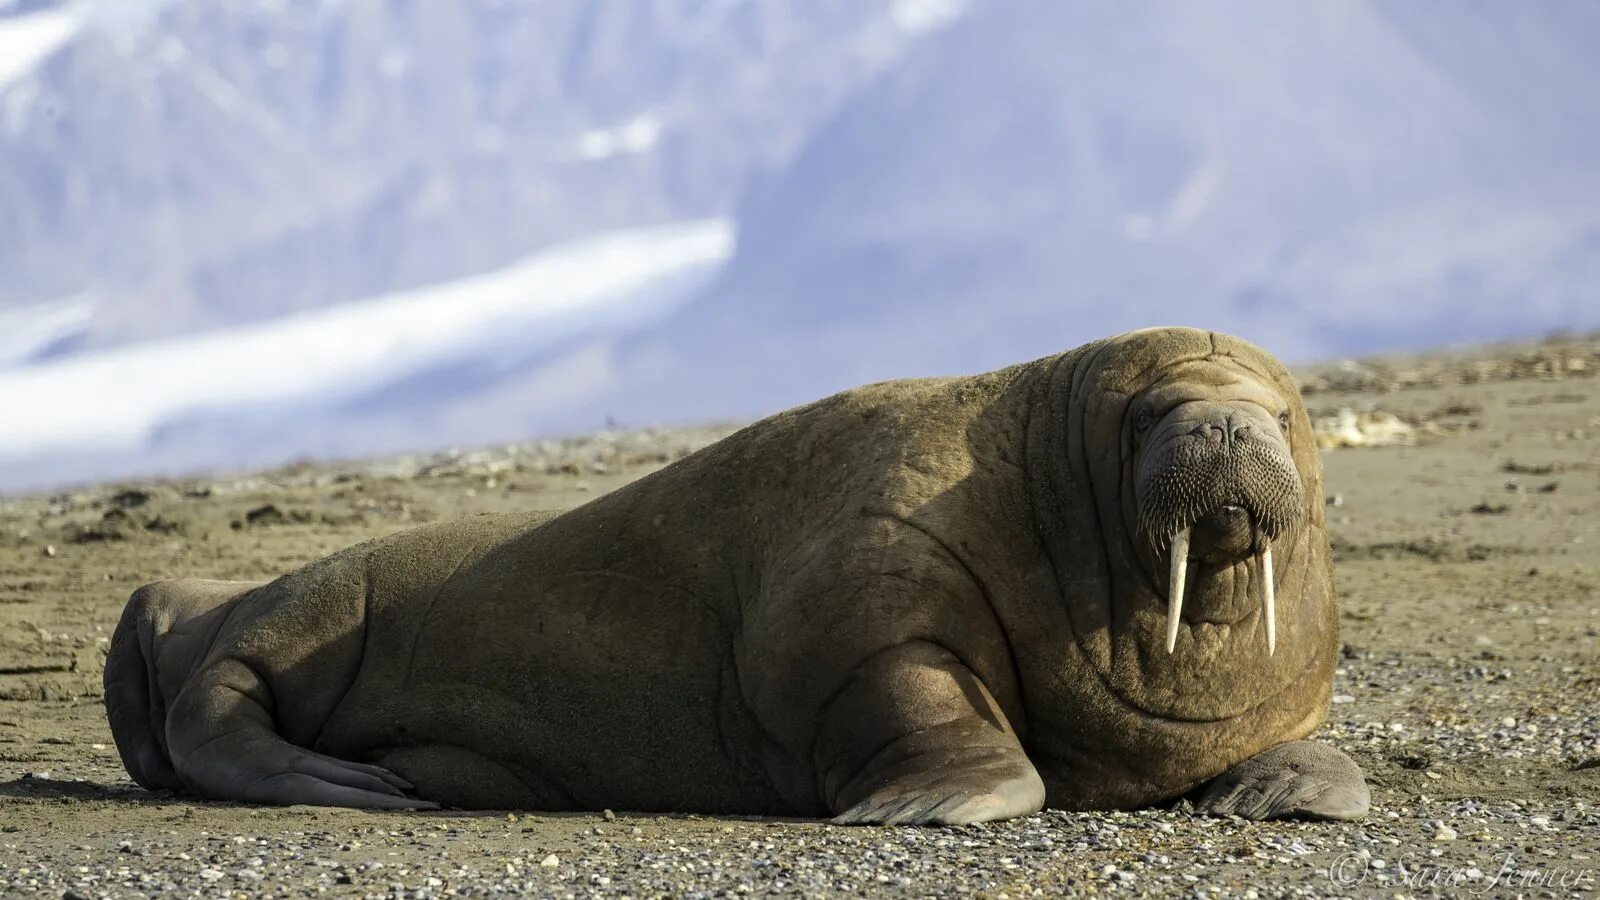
{"points": [[1283, 420], [1142, 421]]}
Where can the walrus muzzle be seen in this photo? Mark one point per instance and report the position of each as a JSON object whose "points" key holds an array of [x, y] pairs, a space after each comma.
{"points": [[1216, 484]]}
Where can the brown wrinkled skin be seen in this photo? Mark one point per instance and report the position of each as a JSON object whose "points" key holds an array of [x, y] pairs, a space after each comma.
{"points": [[913, 601]]}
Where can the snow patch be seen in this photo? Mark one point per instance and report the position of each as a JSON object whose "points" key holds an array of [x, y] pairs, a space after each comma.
{"points": [[1191, 200], [30, 330], [26, 41], [394, 63], [637, 136], [17, 105], [1138, 227], [923, 16], [171, 51], [117, 399], [1196, 194]]}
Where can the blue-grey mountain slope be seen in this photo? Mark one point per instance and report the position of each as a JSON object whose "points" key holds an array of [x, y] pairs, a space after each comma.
{"points": [[1325, 179]]}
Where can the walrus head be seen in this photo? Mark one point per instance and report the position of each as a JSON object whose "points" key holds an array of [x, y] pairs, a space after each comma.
{"points": [[1185, 517]]}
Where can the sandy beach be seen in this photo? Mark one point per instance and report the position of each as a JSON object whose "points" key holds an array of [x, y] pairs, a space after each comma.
{"points": [[1466, 534]]}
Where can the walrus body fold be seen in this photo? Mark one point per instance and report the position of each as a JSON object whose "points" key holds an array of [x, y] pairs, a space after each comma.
{"points": [[921, 601]]}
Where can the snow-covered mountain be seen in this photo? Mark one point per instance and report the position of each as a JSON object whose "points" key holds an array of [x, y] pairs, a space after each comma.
{"points": [[215, 162], [917, 187]]}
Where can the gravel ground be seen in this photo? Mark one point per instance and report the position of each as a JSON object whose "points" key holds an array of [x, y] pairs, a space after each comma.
{"points": [[1468, 562]]}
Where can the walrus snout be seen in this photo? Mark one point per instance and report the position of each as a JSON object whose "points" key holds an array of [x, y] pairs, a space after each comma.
{"points": [[1222, 466], [1216, 483]]}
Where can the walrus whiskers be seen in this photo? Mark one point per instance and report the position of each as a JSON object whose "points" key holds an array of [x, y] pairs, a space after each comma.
{"points": [[1180, 565], [1269, 600]]}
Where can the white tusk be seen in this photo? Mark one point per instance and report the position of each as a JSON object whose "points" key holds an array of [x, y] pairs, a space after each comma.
{"points": [[1180, 565], [1269, 600]]}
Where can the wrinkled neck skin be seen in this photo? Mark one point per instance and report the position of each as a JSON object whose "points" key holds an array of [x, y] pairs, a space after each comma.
{"points": [[1219, 693]]}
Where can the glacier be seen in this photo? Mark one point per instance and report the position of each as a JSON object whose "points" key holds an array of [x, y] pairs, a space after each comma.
{"points": [[110, 405]]}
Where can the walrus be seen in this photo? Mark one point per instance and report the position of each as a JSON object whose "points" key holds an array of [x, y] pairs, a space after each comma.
{"points": [[1097, 580]]}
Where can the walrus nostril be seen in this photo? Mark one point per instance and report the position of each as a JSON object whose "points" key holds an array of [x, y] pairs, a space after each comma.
{"points": [[1210, 431]]}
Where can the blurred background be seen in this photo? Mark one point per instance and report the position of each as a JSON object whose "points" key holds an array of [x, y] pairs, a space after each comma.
{"points": [[241, 232]]}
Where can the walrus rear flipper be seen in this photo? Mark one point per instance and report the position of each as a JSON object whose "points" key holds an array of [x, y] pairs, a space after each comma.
{"points": [[133, 701], [166, 628], [187, 717], [221, 737]]}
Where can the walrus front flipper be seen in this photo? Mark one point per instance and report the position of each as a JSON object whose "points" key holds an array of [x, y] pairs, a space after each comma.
{"points": [[220, 734], [916, 738], [1300, 779]]}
